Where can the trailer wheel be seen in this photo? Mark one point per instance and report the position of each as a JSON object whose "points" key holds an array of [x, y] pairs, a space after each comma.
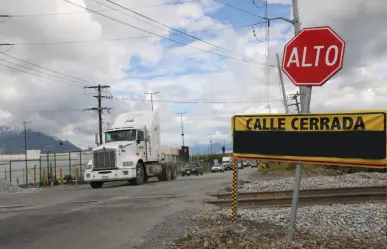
{"points": [[96, 185]]}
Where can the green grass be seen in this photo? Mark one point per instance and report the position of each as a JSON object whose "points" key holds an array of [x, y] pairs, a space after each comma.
{"points": [[286, 167], [207, 170]]}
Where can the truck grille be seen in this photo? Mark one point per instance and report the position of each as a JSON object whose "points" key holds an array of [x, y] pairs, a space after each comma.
{"points": [[104, 159]]}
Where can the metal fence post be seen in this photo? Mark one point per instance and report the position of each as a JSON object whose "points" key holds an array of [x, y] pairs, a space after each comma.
{"points": [[10, 171], [48, 172], [40, 170], [55, 166], [70, 163]]}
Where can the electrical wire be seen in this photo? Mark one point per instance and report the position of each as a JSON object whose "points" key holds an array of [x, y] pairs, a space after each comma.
{"points": [[239, 9], [51, 75], [129, 38], [110, 10], [68, 83], [176, 30], [166, 38], [33, 64], [190, 101]]}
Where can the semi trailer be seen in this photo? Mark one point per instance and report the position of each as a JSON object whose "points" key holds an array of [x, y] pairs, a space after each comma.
{"points": [[131, 152]]}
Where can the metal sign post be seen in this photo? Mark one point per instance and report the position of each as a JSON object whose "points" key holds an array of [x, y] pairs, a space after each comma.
{"points": [[235, 192]]}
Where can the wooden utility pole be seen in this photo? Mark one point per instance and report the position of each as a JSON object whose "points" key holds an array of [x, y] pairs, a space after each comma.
{"points": [[99, 109]]}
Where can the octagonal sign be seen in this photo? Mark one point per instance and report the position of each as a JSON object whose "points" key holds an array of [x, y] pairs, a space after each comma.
{"points": [[313, 56]]}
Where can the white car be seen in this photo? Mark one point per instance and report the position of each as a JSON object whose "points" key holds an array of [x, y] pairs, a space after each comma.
{"points": [[217, 168]]}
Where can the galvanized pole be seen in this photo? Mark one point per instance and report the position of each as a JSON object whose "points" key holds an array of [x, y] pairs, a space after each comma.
{"points": [[282, 85], [151, 94], [305, 93]]}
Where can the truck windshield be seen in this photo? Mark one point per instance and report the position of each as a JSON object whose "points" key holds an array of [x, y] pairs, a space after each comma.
{"points": [[124, 135]]}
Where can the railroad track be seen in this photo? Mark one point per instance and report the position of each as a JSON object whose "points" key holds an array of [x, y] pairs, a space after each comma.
{"points": [[307, 197]]}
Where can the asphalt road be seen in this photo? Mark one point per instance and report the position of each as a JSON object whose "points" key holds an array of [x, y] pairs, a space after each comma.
{"points": [[116, 216]]}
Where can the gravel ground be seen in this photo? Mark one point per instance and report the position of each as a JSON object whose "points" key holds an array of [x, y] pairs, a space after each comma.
{"points": [[341, 181], [8, 188], [366, 219], [215, 231], [173, 227]]}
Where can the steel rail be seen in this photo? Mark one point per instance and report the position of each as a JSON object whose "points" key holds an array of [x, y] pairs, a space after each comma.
{"points": [[305, 192], [304, 200]]}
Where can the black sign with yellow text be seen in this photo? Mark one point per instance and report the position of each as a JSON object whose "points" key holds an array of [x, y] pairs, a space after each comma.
{"points": [[353, 139]]}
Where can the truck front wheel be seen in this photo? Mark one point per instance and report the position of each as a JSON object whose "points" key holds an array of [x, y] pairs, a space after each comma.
{"points": [[96, 185], [140, 175]]}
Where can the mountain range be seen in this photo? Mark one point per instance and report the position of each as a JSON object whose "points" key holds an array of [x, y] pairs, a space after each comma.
{"points": [[12, 142]]}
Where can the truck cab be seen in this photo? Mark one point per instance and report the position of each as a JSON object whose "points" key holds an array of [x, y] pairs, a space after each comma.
{"points": [[130, 152]]}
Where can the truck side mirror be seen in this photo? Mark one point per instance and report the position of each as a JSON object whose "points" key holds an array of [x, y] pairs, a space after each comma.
{"points": [[138, 141]]}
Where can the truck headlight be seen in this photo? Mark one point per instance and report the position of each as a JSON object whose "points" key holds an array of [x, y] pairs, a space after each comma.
{"points": [[128, 163], [89, 166]]}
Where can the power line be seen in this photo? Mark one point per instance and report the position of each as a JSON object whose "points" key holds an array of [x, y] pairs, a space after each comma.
{"points": [[237, 8], [52, 75], [33, 64], [110, 10], [68, 83], [176, 30], [166, 38], [128, 38], [191, 101]]}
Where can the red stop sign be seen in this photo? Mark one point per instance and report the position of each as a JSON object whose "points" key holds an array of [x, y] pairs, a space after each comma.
{"points": [[313, 56]]}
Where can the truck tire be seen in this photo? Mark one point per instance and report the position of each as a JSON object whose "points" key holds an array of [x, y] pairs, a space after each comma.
{"points": [[174, 172], [96, 185], [165, 173], [140, 175]]}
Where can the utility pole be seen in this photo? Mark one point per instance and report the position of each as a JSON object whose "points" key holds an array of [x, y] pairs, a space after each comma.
{"points": [[182, 127], [151, 94], [210, 143], [25, 148], [295, 98], [282, 85], [99, 109]]}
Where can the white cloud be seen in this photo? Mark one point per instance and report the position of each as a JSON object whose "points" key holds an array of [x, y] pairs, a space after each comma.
{"points": [[184, 73]]}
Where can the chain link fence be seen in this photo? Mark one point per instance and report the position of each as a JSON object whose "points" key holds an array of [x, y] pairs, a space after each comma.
{"points": [[46, 169]]}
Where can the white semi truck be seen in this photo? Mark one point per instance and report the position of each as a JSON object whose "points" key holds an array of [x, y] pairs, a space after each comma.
{"points": [[131, 152]]}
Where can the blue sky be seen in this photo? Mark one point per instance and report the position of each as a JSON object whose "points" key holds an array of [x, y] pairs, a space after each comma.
{"points": [[191, 65]]}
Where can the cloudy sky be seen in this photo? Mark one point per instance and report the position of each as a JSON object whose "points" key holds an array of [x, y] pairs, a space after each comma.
{"points": [[217, 71]]}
